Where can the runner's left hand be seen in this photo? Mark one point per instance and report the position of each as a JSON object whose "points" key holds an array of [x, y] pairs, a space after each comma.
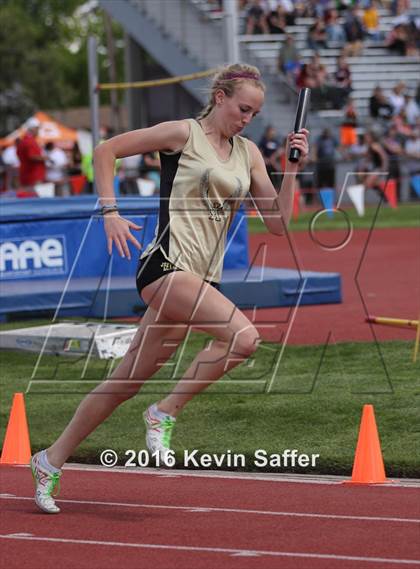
{"points": [[298, 140]]}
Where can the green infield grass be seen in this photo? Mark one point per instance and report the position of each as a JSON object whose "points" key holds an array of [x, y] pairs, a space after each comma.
{"points": [[308, 398]]}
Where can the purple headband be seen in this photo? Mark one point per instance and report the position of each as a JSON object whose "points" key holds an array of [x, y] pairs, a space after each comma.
{"points": [[242, 75]]}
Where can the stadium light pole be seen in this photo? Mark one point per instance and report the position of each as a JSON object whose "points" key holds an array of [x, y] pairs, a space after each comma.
{"points": [[93, 88], [230, 9]]}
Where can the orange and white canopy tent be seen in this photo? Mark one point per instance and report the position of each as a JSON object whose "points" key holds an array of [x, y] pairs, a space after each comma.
{"points": [[49, 131]]}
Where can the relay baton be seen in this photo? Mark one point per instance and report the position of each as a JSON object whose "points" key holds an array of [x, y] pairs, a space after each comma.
{"points": [[300, 120]]}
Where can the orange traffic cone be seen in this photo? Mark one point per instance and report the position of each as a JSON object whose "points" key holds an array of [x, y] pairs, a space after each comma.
{"points": [[389, 188], [368, 467], [16, 446]]}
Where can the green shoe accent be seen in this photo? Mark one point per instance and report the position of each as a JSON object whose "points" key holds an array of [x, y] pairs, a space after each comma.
{"points": [[54, 481], [167, 425]]}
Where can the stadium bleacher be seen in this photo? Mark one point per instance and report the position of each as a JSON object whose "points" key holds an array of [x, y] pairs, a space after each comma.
{"points": [[376, 65]]}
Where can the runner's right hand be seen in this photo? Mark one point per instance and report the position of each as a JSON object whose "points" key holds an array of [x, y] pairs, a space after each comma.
{"points": [[117, 231]]}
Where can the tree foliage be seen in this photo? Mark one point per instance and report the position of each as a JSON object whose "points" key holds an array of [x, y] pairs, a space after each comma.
{"points": [[43, 56]]}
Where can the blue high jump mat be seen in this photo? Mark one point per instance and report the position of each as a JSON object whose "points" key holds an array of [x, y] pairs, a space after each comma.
{"points": [[260, 287], [53, 258]]}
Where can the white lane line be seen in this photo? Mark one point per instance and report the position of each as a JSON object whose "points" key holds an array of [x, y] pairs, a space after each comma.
{"points": [[229, 551], [232, 475], [207, 509]]}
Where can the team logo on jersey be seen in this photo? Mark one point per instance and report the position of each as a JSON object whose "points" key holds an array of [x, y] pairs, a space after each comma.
{"points": [[213, 202], [165, 266]]}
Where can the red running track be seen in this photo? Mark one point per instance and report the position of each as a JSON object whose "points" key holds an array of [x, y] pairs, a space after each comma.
{"points": [[388, 278], [178, 520]]}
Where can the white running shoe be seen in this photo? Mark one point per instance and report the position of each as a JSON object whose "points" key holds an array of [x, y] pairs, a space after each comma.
{"points": [[158, 434], [45, 484]]}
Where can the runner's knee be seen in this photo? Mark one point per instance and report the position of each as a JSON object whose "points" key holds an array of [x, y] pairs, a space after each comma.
{"points": [[245, 342]]}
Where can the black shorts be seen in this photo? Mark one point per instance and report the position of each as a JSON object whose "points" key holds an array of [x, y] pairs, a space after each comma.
{"points": [[154, 266]]}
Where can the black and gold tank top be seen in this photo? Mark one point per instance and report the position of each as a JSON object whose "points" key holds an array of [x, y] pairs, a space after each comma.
{"points": [[199, 196]]}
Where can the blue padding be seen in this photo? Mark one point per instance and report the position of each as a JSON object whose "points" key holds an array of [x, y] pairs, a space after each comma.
{"points": [[55, 245], [266, 287], [327, 198], [260, 288], [47, 239], [415, 182]]}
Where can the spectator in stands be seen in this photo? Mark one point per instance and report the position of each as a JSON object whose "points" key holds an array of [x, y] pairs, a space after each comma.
{"points": [[394, 147], [300, 8], [401, 124], [326, 154], [353, 29], [334, 30], [272, 150], [373, 164], [325, 95], [343, 6], [150, 167], [413, 37], [286, 9], [317, 35], [289, 60], [371, 21], [129, 173], [342, 75], [11, 166], [327, 92], [56, 164], [75, 166], [276, 23], [318, 70], [399, 7], [357, 150], [348, 132], [87, 170], [412, 110], [350, 112], [402, 39], [412, 145], [379, 106], [256, 22], [312, 74], [305, 78], [87, 161], [315, 8], [32, 159], [396, 97], [396, 39]]}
